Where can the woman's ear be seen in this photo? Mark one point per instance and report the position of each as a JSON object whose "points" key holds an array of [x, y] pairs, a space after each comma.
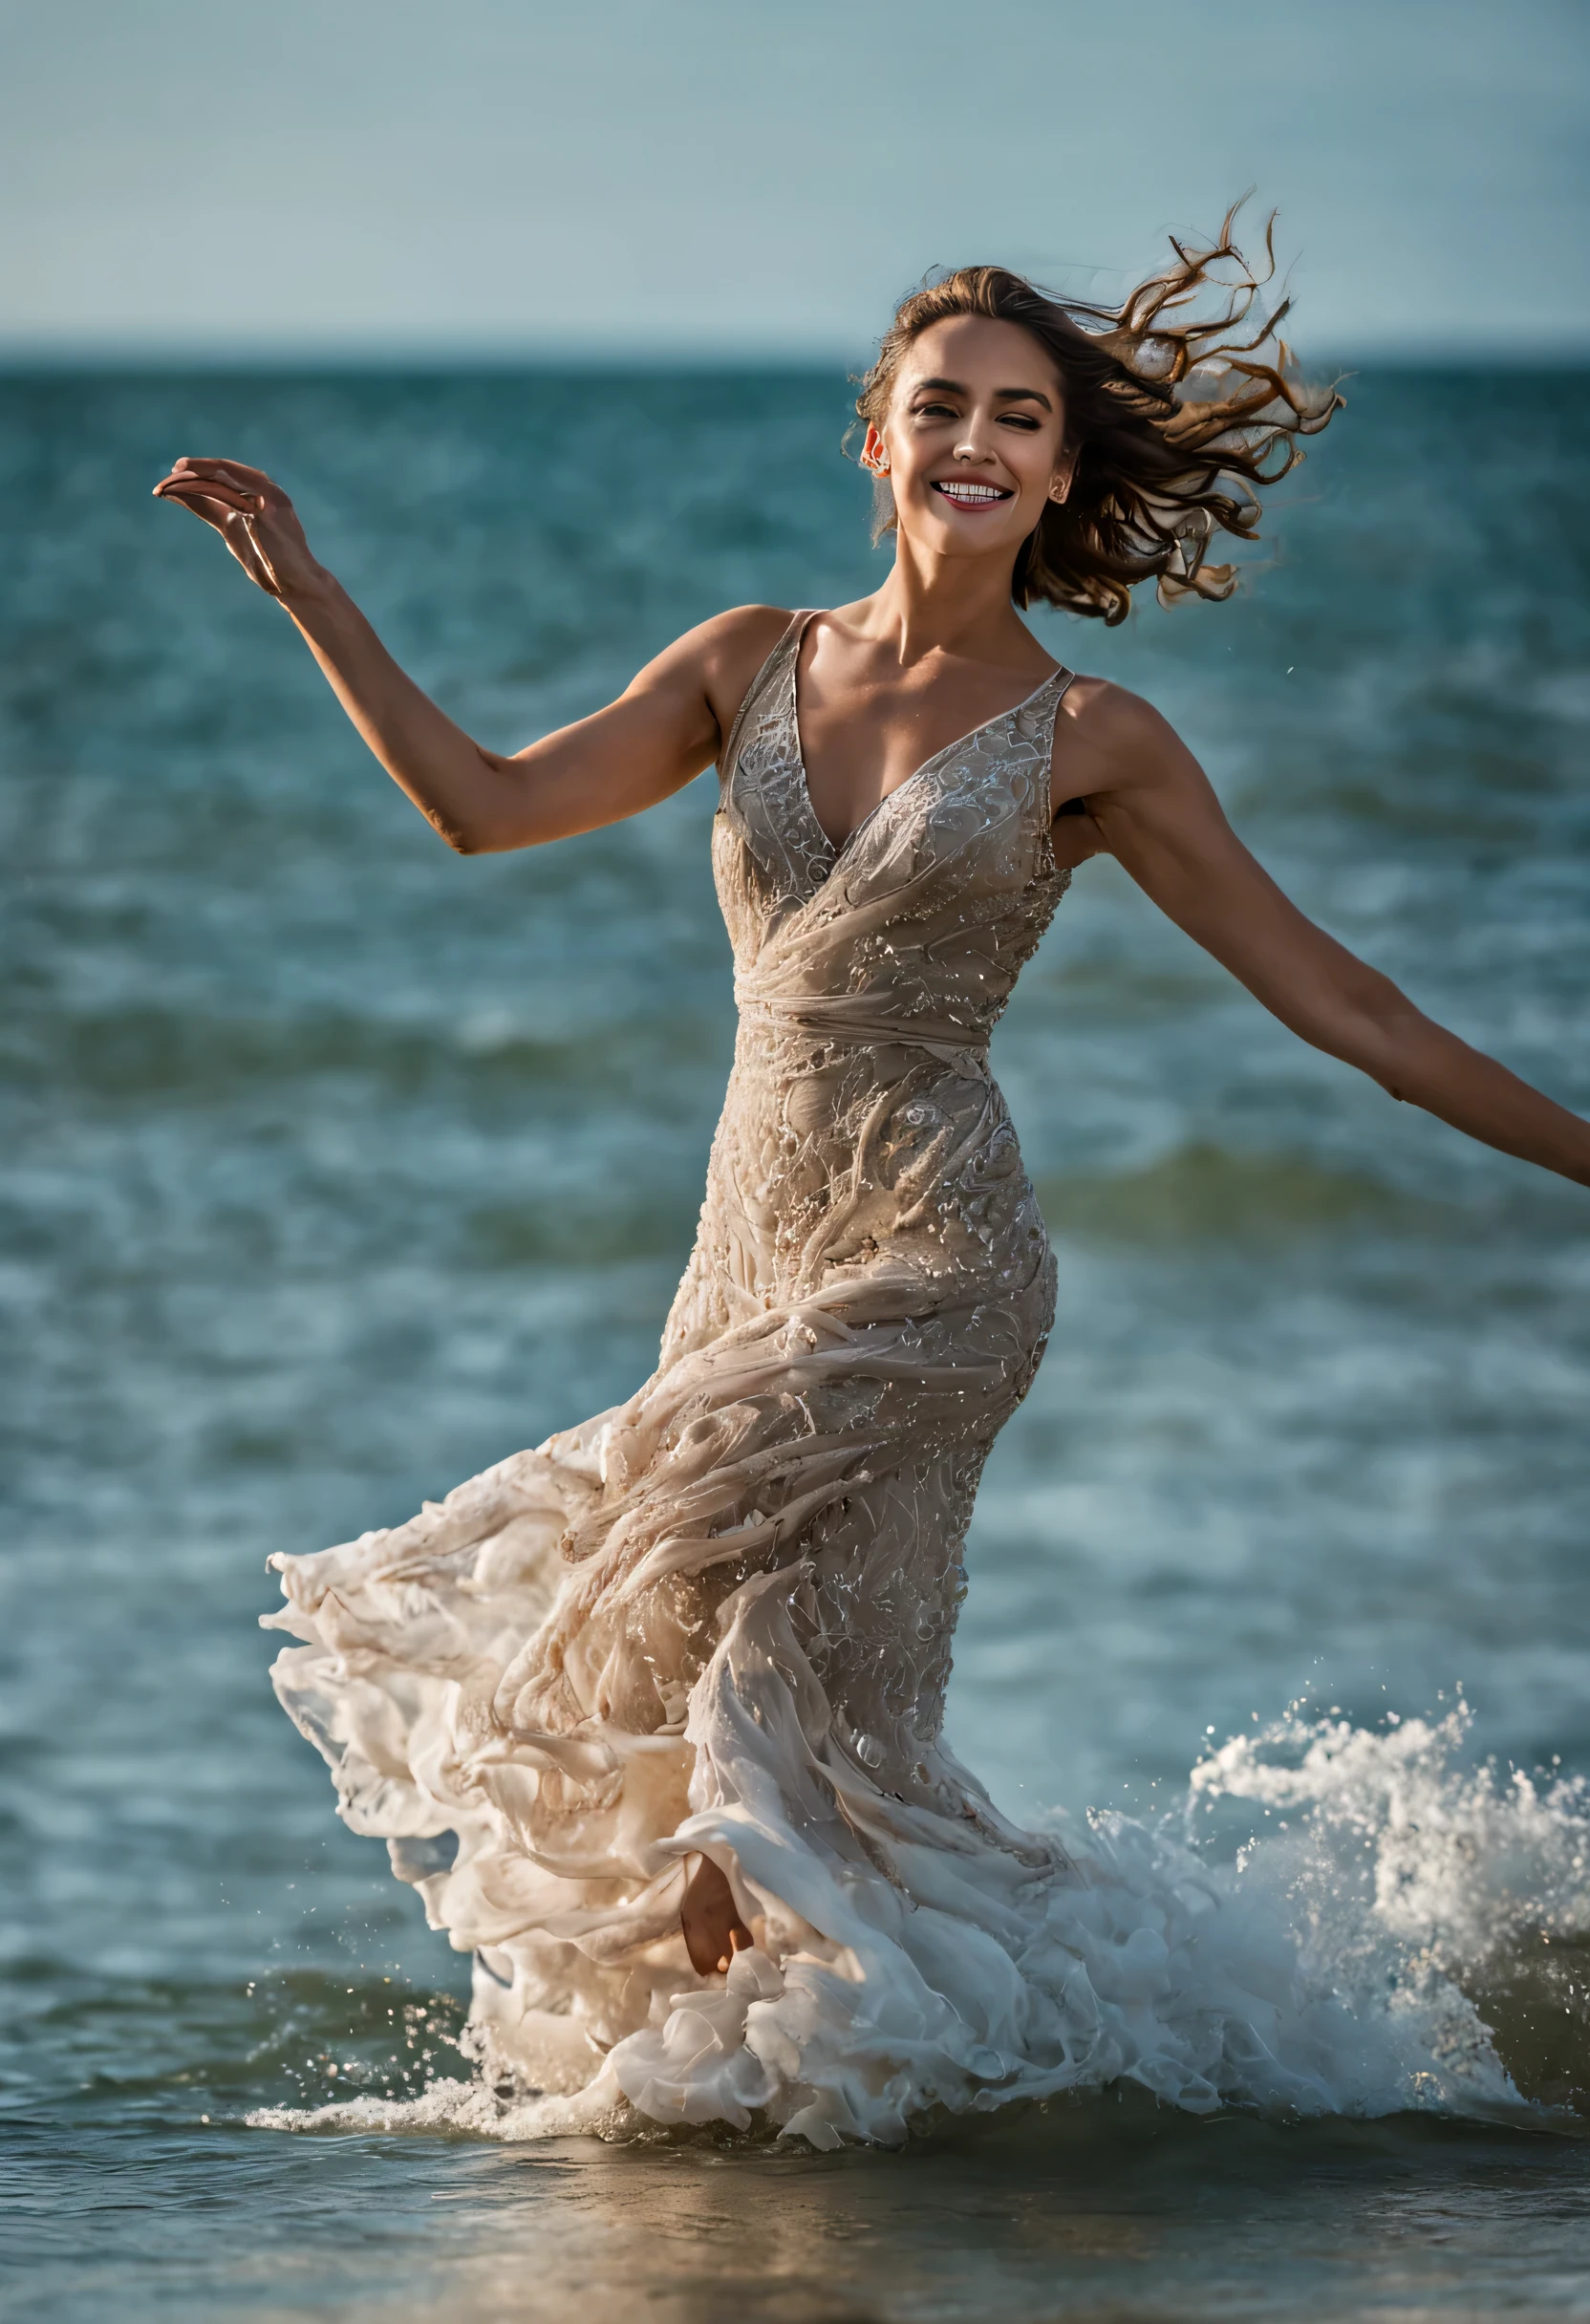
{"points": [[1059, 484], [874, 454]]}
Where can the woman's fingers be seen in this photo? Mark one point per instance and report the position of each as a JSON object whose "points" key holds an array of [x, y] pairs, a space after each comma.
{"points": [[232, 523], [221, 485], [253, 516], [206, 488], [202, 505], [209, 508], [229, 480], [212, 506], [195, 466]]}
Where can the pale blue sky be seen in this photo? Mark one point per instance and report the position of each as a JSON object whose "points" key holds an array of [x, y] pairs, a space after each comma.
{"points": [[367, 177]]}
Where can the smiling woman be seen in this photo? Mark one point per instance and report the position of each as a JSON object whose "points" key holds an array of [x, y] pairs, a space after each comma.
{"points": [[1170, 424], [652, 1714]]}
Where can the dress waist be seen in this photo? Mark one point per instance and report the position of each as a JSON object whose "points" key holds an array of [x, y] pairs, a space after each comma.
{"points": [[864, 1021]]}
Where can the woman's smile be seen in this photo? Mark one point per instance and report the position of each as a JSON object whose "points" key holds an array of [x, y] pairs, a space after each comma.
{"points": [[962, 493]]}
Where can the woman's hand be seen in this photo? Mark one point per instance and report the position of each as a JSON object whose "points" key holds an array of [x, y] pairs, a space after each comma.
{"points": [[255, 518]]}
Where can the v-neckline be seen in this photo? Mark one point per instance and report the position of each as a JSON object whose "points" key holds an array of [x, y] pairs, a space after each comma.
{"points": [[838, 850]]}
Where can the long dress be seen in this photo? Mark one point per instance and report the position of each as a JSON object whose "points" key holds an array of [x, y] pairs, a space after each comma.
{"points": [[718, 1619]]}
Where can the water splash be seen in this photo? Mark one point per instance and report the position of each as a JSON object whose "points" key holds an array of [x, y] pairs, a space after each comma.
{"points": [[1404, 1871], [1426, 1922]]}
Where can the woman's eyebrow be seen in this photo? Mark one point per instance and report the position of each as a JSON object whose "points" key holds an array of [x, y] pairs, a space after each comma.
{"points": [[1001, 395]]}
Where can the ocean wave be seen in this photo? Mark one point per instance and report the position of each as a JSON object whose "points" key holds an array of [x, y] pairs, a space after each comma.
{"points": [[1406, 1873]]}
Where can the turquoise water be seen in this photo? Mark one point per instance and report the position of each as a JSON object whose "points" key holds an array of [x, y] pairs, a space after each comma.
{"points": [[335, 1167]]}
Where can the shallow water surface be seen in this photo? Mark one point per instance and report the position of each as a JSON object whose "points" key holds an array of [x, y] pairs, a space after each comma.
{"points": [[1105, 2211], [335, 1168]]}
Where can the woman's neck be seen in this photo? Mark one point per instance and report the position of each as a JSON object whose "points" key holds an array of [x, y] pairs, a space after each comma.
{"points": [[955, 606]]}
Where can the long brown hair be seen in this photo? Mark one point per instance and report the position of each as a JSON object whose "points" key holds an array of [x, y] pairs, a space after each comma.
{"points": [[1178, 421]]}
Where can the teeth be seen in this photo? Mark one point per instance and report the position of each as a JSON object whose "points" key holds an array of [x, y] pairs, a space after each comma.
{"points": [[958, 492]]}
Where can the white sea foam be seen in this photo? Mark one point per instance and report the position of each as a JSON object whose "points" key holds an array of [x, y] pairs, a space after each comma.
{"points": [[1391, 1850], [1391, 1891]]}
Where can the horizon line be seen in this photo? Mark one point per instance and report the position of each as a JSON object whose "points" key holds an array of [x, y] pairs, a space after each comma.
{"points": [[21, 358]]}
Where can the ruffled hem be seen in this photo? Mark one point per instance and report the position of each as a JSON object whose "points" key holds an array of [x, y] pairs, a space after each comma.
{"points": [[909, 1956]]}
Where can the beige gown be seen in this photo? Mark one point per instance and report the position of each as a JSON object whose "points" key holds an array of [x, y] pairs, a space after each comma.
{"points": [[719, 1618]]}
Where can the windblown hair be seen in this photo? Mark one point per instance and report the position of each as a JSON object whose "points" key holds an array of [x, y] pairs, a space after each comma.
{"points": [[1178, 421]]}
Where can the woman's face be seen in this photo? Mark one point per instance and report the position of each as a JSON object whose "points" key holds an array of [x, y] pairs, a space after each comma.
{"points": [[973, 437]]}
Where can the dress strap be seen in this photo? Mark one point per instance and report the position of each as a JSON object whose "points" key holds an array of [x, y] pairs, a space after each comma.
{"points": [[794, 630], [1066, 806]]}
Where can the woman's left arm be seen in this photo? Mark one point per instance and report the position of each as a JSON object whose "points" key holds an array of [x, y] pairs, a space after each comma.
{"points": [[1155, 810]]}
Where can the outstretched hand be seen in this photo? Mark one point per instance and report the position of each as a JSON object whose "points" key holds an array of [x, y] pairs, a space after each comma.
{"points": [[253, 515]]}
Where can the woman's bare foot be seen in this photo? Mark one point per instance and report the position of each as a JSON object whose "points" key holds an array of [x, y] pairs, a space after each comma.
{"points": [[713, 1931]]}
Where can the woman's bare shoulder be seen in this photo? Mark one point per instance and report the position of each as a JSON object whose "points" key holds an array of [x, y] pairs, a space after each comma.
{"points": [[1106, 736], [746, 634], [717, 659], [733, 647]]}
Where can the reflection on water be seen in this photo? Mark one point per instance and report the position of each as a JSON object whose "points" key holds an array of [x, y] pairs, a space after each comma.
{"points": [[335, 1168], [1112, 2209]]}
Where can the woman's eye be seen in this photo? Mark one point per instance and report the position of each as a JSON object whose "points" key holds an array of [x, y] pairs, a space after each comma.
{"points": [[935, 411], [1023, 420]]}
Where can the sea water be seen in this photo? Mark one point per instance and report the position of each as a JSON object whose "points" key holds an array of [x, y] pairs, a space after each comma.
{"points": [[336, 1166]]}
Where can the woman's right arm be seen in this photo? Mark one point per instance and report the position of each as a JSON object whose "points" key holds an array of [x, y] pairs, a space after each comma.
{"points": [[668, 724]]}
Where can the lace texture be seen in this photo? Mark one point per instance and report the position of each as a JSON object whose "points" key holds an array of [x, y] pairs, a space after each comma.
{"points": [[719, 1618]]}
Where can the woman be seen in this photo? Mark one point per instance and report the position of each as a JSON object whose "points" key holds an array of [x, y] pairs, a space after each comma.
{"points": [[651, 1714]]}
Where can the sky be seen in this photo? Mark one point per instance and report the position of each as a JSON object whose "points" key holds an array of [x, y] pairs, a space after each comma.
{"points": [[367, 179]]}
